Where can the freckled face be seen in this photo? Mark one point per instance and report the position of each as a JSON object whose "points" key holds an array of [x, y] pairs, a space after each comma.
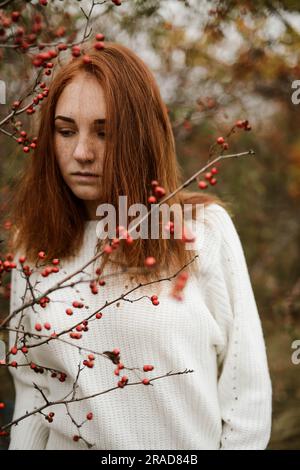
{"points": [[79, 138]]}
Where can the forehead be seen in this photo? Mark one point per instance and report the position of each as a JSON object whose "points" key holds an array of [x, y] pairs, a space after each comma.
{"points": [[82, 98]]}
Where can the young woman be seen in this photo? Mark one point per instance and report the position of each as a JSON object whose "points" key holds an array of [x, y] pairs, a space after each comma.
{"points": [[104, 132]]}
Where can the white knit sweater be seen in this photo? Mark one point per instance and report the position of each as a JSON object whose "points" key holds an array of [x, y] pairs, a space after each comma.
{"points": [[215, 331]]}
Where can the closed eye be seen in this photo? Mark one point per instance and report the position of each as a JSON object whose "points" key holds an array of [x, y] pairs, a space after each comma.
{"points": [[68, 133]]}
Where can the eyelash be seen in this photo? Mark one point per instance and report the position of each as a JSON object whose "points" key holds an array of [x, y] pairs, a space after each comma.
{"points": [[67, 133]]}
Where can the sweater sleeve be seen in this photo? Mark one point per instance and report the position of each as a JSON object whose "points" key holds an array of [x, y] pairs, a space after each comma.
{"points": [[30, 433], [244, 384]]}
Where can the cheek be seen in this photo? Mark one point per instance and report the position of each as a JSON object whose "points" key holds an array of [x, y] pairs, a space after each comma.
{"points": [[62, 153]]}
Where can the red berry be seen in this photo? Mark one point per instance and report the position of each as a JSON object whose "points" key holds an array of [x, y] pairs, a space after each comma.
{"points": [[55, 261], [98, 315], [214, 170], [69, 311], [100, 37], [47, 326], [38, 327], [91, 357], [202, 185], [150, 261], [76, 438], [89, 416], [14, 350], [76, 51], [2, 405], [159, 191], [15, 16], [213, 181], [146, 381], [240, 124], [99, 45], [220, 140], [116, 351], [152, 200], [86, 59], [42, 255], [26, 149]]}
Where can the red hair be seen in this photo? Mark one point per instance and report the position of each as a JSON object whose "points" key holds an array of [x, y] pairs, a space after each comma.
{"points": [[139, 148]]}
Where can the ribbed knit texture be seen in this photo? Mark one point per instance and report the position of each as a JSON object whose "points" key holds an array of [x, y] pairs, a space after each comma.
{"points": [[215, 331]]}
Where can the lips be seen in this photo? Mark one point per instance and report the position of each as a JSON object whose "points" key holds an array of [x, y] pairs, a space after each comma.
{"points": [[84, 174]]}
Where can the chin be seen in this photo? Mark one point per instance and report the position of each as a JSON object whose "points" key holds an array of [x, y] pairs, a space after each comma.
{"points": [[86, 195]]}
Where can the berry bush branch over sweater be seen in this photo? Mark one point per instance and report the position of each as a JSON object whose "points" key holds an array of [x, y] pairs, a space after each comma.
{"points": [[215, 331]]}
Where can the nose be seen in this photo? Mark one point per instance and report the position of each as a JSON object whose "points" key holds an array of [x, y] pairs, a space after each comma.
{"points": [[83, 151]]}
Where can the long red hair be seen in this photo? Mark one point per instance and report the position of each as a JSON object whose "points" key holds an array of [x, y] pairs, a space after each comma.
{"points": [[140, 148]]}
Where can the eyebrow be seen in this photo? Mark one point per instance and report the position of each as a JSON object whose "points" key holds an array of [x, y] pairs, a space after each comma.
{"points": [[68, 119]]}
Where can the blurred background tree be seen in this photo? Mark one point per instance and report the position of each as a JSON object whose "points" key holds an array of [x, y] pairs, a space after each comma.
{"points": [[215, 62]]}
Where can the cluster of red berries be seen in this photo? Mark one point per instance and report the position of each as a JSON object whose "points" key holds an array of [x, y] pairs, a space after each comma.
{"points": [[79, 328], [120, 366], [179, 285], [154, 300], [93, 287], [26, 269], [8, 264], [147, 368], [36, 368], [113, 246], [23, 139], [44, 301], [50, 416], [39, 327], [157, 192], [123, 234], [75, 304], [243, 124], [98, 46], [123, 381], [61, 376], [89, 362], [221, 141], [14, 350], [209, 176], [49, 270]]}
